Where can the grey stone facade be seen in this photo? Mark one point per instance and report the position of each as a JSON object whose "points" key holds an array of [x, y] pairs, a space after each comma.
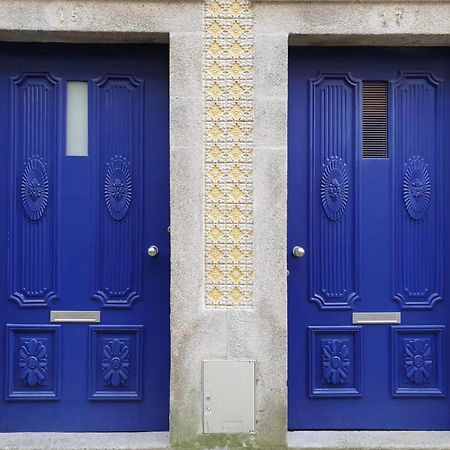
{"points": [[198, 332]]}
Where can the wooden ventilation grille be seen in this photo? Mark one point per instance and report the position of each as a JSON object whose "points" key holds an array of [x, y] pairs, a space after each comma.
{"points": [[375, 119]]}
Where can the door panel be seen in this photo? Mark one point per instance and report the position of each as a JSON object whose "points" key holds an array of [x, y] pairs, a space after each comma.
{"points": [[334, 105], [417, 145], [374, 231], [118, 137], [76, 239], [32, 264]]}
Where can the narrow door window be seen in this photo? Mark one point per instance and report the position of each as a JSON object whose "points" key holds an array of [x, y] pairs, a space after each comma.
{"points": [[77, 118]]}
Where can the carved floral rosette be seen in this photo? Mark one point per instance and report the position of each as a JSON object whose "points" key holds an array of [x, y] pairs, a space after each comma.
{"points": [[418, 360], [33, 362], [116, 363], [416, 188], [334, 189], [118, 188], [34, 189], [335, 362]]}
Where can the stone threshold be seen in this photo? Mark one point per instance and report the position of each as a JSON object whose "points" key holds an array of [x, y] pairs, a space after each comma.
{"points": [[84, 441], [297, 440], [379, 440]]}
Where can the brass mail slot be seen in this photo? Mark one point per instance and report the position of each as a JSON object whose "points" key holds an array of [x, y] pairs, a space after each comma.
{"points": [[377, 318], [75, 316]]}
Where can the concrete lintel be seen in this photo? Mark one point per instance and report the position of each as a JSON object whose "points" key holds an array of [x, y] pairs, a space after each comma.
{"points": [[375, 20]]}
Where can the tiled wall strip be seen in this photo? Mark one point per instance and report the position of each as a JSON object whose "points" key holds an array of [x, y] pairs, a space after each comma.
{"points": [[228, 140]]}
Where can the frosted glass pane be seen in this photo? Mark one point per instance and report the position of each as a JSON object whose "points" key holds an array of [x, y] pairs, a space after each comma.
{"points": [[77, 119]]}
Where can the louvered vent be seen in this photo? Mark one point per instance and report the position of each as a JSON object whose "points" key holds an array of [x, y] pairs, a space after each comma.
{"points": [[375, 119]]}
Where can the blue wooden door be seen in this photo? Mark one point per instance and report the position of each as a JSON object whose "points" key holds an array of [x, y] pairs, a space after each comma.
{"points": [[368, 203], [74, 234]]}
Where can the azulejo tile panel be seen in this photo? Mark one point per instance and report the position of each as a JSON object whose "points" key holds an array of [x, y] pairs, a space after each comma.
{"points": [[228, 140]]}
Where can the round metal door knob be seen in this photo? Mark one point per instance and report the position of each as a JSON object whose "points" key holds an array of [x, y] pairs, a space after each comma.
{"points": [[298, 252], [153, 250]]}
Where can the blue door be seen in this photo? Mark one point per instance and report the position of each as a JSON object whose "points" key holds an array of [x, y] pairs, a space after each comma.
{"points": [[84, 305], [369, 228]]}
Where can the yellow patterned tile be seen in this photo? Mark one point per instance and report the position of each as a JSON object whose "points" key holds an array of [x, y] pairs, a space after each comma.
{"points": [[215, 70], [236, 295], [215, 112], [235, 275], [236, 214], [236, 9], [215, 29], [235, 50], [215, 234], [236, 254], [215, 254], [236, 132], [215, 295], [236, 111], [215, 91], [215, 153], [215, 132], [236, 90], [215, 213], [235, 30], [215, 274], [235, 173], [236, 152], [214, 8], [215, 173], [215, 194], [235, 70], [235, 194], [215, 49], [236, 234]]}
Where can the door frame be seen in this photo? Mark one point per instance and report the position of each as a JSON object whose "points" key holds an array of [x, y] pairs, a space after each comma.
{"points": [[178, 24], [278, 26]]}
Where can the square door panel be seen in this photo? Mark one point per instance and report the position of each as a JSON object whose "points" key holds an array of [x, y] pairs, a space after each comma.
{"points": [[335, 361], [33, 361], [417, 361], [116, 362]]}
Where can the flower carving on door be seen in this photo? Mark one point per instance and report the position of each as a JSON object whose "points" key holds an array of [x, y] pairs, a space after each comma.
{"points": [[416, 188], [335, 361], [118, 188], [33, 362], [34, 189], [418, 360], [334, 189], [116, 362]]}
